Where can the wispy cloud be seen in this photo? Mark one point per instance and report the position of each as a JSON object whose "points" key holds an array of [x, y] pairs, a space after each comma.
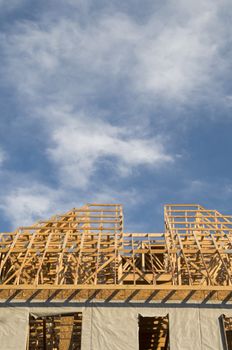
{"points": [[81, 144], [96, 86], [174, 58], [61, 66], [24, 205]]}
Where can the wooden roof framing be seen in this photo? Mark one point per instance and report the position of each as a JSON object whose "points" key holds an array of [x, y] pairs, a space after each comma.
{"points": [[87, 248]]}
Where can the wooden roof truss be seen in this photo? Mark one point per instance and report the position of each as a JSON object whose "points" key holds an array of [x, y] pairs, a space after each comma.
{"points": [[88, 247]]}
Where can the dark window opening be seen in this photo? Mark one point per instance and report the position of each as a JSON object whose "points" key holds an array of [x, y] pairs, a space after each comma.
{"points": [[154, 333], [226, 331], [57, 332]]}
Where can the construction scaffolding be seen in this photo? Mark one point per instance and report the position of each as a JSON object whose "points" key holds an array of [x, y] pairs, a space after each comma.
{"points": [[87, 249]]}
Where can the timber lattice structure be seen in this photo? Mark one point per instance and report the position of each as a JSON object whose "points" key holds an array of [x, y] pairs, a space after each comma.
{"points": [[86, 249]]}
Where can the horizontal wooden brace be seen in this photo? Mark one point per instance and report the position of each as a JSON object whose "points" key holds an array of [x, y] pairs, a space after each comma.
{"points": [[116, 287]]}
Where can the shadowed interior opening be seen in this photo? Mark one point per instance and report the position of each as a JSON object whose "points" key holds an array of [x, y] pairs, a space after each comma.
{"points": [[154, 333], [56, 332], [226, 330]]}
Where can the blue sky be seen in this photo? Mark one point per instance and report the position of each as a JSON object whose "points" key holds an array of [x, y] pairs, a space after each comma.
{"points": [[114, 101]]}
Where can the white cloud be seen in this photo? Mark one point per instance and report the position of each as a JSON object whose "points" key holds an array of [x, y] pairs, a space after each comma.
{"points": [[79, 143], [127, 197], [168, 57], [65, 63], [70, 69], [25, 205], [55, 65]]}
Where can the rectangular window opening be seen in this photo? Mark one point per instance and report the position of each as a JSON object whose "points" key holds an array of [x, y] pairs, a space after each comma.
{"points": [[226, 331], [154, 333], [56, 332]]}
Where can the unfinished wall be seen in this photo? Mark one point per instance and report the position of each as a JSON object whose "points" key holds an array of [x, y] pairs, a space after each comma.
{"points": [[116, 327]]}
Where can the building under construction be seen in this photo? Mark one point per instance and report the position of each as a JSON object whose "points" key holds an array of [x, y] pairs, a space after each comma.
{"points": [[79, 281]]}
